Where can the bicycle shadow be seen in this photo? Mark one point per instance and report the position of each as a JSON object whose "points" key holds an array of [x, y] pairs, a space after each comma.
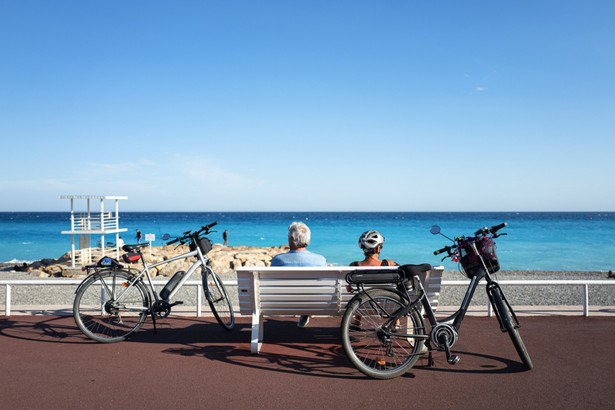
{"points": [[479, 363], [317, 352], [312, 351], [52, 329]]}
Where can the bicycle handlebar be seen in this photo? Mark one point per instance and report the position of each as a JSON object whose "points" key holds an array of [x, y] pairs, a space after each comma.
{"points": [[482, 231], [493, 230], [445, 249], [206, 229]]}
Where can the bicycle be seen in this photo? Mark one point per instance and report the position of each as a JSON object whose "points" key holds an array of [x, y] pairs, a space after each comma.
{"points": [[112, 302], [383, 329]]}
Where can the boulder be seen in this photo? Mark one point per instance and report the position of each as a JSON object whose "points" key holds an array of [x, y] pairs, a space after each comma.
{"points": [[224, 259]]}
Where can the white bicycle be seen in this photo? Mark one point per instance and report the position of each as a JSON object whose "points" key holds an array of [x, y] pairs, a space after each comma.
{"points": [[113, 302]]}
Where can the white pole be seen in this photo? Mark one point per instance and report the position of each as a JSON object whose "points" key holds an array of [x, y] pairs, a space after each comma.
{"points": [[117, 214], [7, 302], [199, 299], [72, 229], [586, 300], [102, 226]]}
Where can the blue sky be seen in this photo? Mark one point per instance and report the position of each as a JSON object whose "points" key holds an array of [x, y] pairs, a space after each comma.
{"points": [[309, 105]]}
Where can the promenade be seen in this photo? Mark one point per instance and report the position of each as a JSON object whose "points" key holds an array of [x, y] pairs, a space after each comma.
{"points": [[192, 363]]}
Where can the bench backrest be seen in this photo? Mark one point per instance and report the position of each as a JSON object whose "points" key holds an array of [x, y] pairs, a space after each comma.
{"points": [[305, 290]]}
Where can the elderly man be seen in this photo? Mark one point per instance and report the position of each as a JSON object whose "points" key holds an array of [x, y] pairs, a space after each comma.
{"points": [[299, 236]]}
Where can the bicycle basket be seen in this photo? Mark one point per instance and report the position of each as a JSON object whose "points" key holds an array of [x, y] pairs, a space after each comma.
{"points": [[204, 244], [471, 263]]}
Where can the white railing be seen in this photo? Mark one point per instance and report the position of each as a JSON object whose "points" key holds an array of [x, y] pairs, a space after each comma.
{"points": [[8, 285], [582, 284], [96, 221]]}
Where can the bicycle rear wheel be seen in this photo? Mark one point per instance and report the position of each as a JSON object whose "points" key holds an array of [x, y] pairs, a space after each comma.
{"points": [[370, 350], [106, 309], [510, 325], [218, 299]]}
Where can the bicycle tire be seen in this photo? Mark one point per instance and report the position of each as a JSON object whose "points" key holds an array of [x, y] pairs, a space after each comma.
{"points": [[218, 299], [503, 310], [364, 345], [98, 313]]}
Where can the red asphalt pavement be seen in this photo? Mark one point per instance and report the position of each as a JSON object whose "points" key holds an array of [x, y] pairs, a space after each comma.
{"points": [[192, 363]]}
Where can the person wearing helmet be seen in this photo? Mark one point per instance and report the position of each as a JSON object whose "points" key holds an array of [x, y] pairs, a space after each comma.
{"points": [[371, 243]]}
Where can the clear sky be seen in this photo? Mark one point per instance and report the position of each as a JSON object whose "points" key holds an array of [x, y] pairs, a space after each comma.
{"points": [[309, 105]]}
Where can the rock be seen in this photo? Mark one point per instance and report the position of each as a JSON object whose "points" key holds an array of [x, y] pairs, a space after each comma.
{"points": [[224, 259]]}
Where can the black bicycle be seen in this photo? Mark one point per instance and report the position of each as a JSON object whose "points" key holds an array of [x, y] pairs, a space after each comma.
{"points": [[383, 330], [113, 302]]}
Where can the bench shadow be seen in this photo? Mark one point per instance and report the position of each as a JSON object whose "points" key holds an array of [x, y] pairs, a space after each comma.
{"points": [[319, 352], [312, 351]]}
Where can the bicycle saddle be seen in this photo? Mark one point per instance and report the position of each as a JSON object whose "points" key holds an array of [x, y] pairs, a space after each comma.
{"points": [[415, 270], [131, 248]]}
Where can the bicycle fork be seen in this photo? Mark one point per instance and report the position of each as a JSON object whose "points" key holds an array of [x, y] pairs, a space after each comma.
{"points": [[500, 302]]}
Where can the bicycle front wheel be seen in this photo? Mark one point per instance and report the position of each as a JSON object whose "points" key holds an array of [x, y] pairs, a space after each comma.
{"points": [[107, 309], [369, 348], [218, 299], [510, 325]]}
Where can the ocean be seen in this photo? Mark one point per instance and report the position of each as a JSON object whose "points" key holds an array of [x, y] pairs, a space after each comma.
{"points": [[557, 241]]}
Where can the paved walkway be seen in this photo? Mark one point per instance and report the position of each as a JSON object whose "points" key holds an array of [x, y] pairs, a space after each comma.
{"points": [[192, 363]]}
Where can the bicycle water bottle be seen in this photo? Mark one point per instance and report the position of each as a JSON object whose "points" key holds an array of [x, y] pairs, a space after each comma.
{"points": [[171, 285]]}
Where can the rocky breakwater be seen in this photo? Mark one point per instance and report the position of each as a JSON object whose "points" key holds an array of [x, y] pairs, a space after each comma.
{"points": [[224, 260]]}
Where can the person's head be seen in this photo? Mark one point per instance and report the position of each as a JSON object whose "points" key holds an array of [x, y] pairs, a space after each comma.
{"points": [[371, 242], [298, 235]]}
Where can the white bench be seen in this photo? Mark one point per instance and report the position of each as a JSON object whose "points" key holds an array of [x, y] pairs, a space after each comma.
{"points": [[313, 291]]}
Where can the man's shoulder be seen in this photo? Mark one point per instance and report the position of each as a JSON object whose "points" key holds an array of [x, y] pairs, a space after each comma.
{"points": [[304, 258]]}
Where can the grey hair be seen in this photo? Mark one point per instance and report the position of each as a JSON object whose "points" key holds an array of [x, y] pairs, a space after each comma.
{"points": [[299, 234]]}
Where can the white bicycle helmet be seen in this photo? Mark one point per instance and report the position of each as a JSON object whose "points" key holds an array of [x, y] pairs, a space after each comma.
{"points": [[370, 240]]}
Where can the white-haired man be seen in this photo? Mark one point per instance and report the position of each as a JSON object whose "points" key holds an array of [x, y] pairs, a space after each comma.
{"points": [[299, 236]]}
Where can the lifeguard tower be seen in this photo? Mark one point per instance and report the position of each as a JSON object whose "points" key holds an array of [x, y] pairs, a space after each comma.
{"points": [[86, 223]]}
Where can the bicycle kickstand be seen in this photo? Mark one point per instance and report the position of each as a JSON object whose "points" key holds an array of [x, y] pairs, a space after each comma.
{"points": [[430, 361], [154, 322]]}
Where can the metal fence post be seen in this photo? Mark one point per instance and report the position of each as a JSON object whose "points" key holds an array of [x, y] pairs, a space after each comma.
{"points": [[199, 299], [7, 302], [585, 300]]}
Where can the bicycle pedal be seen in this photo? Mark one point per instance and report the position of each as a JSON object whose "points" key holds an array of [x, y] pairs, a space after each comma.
{"points": [[178, 302], [454, 359]]}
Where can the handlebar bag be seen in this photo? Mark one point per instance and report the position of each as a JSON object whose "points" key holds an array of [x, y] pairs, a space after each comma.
{"points": [[204, 244]]}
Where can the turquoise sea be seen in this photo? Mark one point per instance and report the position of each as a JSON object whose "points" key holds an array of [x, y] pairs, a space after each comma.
{"points": [[560, 241]]}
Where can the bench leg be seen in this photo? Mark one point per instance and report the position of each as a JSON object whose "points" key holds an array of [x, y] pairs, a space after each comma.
{"points": [[257, 333]]}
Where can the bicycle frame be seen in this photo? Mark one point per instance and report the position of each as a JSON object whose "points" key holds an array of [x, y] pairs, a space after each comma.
{"points": [[201, 261], [127, 295], [388, 342]]}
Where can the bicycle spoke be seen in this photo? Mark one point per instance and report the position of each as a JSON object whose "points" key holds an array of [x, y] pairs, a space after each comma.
{"points": [[374, 351], [218, 299], [103, 318]]}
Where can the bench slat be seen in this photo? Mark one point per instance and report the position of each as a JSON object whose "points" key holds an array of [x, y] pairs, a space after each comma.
{"points": [[283, 291]]}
